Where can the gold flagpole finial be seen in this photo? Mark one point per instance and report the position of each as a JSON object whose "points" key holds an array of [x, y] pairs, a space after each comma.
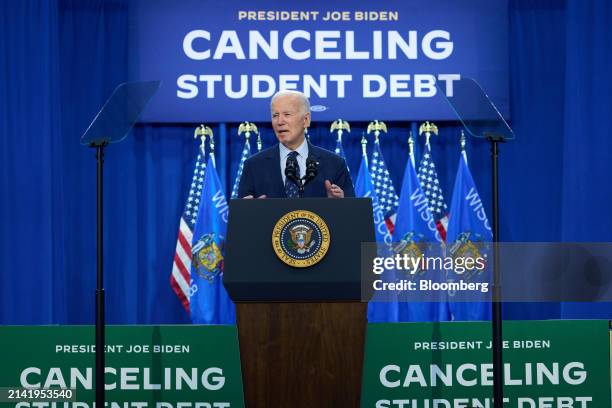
{"points": [[201, 132], [207, 131], [428, 128], [376, 126], [247, 128], [340, 125]]}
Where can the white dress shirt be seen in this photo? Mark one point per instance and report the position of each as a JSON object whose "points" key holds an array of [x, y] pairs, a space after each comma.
{"points": [[302, 152]]}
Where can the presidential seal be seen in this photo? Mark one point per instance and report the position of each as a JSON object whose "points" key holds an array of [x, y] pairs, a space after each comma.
{"points": [[207, 257], [300, 238]]}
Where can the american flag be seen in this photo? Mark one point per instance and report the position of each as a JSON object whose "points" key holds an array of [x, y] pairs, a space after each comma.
{"points": [[180, 279], [246, 152], [428, 177], [383, 185]]}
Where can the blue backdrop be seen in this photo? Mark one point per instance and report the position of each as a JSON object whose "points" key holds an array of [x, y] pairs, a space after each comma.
{"points": [[61, 59]]}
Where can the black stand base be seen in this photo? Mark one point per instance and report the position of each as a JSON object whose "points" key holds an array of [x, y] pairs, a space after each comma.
{"points": [[100, 340]]}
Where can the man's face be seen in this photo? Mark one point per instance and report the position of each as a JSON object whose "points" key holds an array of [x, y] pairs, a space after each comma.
{"points": [[289, 121]]}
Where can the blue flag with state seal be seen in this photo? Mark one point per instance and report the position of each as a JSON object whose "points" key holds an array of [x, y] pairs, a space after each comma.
{"points": [[468, 234], [417, 236], [209, 301], [379, 310]]}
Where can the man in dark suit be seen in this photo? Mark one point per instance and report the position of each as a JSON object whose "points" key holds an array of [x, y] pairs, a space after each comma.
{"points": [[264, 173]]}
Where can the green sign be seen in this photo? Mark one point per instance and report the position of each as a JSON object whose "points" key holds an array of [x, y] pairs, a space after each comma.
{"points": [[547, 364], [146, 366]]}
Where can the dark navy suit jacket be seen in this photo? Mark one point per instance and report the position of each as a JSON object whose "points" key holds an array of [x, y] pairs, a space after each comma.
{"points": [[262, 174]]}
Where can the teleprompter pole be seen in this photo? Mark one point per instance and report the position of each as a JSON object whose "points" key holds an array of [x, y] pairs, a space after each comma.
{"points": [[100, 320], [496, 323]]}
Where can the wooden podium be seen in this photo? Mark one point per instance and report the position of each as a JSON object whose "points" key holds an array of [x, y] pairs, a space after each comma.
{"points": [[301, 354], [301, 330]]}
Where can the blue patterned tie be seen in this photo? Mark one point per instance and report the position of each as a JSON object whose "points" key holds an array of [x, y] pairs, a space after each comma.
{"points": [[291, 189]]}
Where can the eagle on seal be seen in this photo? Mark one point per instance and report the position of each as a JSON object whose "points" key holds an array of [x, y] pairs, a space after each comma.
{"points": [[301, 235]]}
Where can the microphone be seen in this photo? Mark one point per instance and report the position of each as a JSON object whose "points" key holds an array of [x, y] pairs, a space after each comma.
{"points": [[311, 169], [291, 169]]}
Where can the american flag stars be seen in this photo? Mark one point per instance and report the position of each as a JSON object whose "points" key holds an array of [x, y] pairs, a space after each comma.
{"points": [[428, 177], [383, 185]]}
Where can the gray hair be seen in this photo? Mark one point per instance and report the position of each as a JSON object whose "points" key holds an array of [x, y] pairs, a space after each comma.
{"points": [[300, 95]]}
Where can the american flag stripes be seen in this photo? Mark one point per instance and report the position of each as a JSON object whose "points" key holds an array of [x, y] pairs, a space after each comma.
{"points": [[180, 279], [428, 177]]}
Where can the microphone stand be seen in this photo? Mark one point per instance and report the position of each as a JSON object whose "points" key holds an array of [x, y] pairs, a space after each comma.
{"points": [[311, 173], [291, 173]]}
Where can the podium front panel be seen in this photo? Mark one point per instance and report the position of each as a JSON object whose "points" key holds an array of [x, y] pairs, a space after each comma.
{"points": [[254, 273]]}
